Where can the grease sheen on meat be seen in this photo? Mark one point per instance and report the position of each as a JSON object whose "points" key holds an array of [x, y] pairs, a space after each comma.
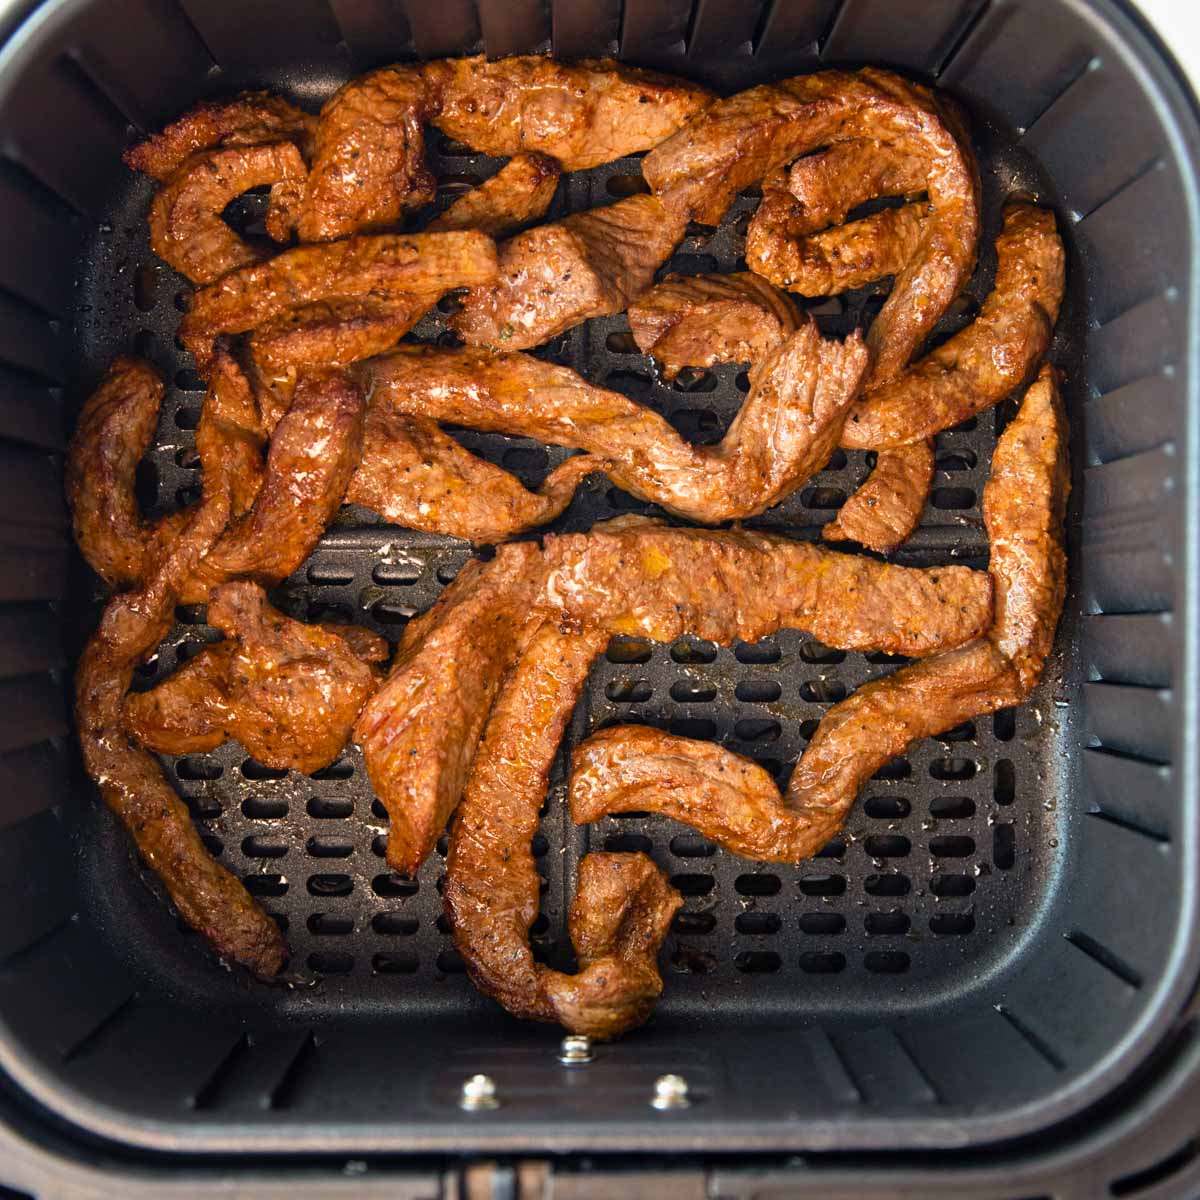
{"points": [[288, 692], [582, 115], [518, 193]]}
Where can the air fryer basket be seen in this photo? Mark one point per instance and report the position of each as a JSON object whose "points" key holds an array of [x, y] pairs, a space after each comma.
{"points": [[1006, 929]]}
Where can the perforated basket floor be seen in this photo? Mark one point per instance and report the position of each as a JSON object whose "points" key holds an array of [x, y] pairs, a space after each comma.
{"points": [[943, 862]]}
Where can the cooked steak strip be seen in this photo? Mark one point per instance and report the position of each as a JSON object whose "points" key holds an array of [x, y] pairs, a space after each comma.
{"points": [[420, 731], [288, 692], [734, 803], [987, 360], [386, 267], [369, 158], [249, 119], [582, 115], [623, 906], [518, 193], [186, 228], [701, 320], [129, 778], [829, 184], [553, 277], [419, 477], [314, 450], [885, 510], [786, 429]]}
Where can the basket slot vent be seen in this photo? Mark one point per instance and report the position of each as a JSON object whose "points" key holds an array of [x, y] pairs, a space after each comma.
{"points": [[585, 27], [510, 28], [1131, 419], [883, 1069], [445, 29], [653, 31], [1131, 648], [1132, 720], [915, 34], [290, 32], [375, 32], [793, 29]]}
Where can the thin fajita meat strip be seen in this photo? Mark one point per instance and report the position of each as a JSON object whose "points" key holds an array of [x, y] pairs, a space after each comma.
{"points": [[787, 428], [552, 277], [701, 320], [582, 115], [885, 510], [288, 692], [253, 118], [734, 802], [384, 267], [368, 164], [829, 184], [986, 361], [624, 905], [186, 228], [130, 779], [420, 730], [517, 194], [419, 477]]}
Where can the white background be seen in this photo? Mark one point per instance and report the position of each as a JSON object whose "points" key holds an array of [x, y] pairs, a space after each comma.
{"points": [[1178, 24]]}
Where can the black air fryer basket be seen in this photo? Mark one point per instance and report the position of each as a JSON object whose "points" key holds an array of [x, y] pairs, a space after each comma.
{"points": [[982, 988]]}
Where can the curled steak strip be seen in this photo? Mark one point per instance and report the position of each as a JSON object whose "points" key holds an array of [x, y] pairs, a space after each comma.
{"points": [[419, 477], [700, 320], [288, 692], [518, 193], [369, 157], [553, 277], [420, 730], [386, 267], [828, 184], [186, 229], [129, 778], [624, 904], [582, 115], [313, 452], [734, 802], [886, 509], [249, 119], [786, 429], [987, 360]]}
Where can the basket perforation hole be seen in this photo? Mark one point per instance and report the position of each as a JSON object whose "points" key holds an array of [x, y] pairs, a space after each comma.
{"points": [[812, 651], [822, 924], [330, 885], [258, 772], [952, 808], [886, 924], [204, 808], [696, 923], [264, 847], [326, 574], [388, 612], [264, 808], [834, 848], [340, 770], [1004, 846], [823, 885], [758, 691], [757, 729], [628, 843], [697, 380], [887, 808], [391, 886], [693, 727], [896, 769], [265, 885], [887, 845], [886, 962], [887, 885], [757, 885], [952, 846], [321, 847], [960, 733], [691, 845], [822, 962], [757, 962], [691, 691], [687, 960], [823, 691], [952, 885], [628, 691], [693, 651], [756, 652], [823, 498], [621, 341], [958, 460], [952, 924], [953, 768], [1004, 724], [692, 884], [394, 924], [331, 962], [1004, 782], [330, 808], [330, 924], [403, 962], [449, 962], [623, 649], [758, 924]]}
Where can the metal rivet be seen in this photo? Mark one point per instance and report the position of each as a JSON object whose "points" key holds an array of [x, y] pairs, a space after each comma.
{"points": [[670, 1091], [478, 1093], [575, 1049]]}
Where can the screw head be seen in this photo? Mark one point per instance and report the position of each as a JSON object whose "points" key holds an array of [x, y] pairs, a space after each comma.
{"points": [[575, 1049], [670, 1092], [478, 1094]]}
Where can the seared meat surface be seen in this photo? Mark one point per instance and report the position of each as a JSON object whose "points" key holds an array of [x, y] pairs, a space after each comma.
{"points": [[581, 115], [734, 802], [517, 194], [701, 320], [553, 277], [129, 778], [889, 505], [419, 477], [623, 906], [288, 692], [253, 118], [787, 428], [385, 267], [186, 228], [369, 156]]}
